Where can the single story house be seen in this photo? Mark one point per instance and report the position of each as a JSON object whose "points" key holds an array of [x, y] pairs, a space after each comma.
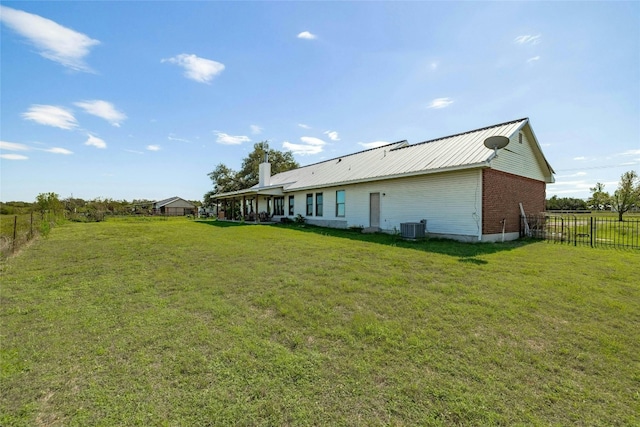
{"points": [[174, 206], [456, 185]]}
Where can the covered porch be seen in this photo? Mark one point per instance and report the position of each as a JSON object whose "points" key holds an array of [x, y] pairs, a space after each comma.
{"points": [[250, 205]]}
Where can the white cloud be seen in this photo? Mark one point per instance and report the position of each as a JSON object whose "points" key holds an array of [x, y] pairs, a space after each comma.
{"points": [[256, 130], [312, 141], [307, 35], [53, 41], [95, 142], [434, 66], [227, 139], [153, 147], [51, 115], [173, 138], [13, 146], [199, 69], [374, 144], [580, 158], [440, 103], [533, 59], [301, 149], [528, 39], [133, 151], [630, 153], [58, 150], [104, 110], [13, 157], [333, 135], [303, 126], [311, 146]]}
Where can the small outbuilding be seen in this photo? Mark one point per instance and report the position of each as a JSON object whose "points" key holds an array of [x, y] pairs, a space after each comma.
{"points": [[174, 206], [462, 186]]}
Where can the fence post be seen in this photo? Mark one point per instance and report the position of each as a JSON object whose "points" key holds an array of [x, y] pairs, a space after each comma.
{"points": [[591, 230], [15, 228], [575, 230]]}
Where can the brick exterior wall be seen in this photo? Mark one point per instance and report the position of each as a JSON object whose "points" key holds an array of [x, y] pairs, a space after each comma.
{"points": [[501, 194]]}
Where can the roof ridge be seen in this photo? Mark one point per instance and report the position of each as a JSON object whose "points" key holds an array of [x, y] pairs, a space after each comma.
{"points": [[163, 201], [465, 133], [350, 154]]}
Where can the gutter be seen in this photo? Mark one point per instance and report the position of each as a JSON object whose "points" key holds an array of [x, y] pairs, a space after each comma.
{"points": [[482, 164]]}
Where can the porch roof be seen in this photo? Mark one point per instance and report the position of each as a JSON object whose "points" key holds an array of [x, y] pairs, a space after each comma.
{"points": [[271, 190]]}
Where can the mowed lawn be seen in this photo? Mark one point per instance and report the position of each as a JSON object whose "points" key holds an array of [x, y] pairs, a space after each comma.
{"points": [[180, 323]]}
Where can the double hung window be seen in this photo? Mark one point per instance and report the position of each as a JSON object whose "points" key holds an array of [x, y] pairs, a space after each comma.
{"points": [[291, 205], [318, 204], [309, 204], [340, 201]]}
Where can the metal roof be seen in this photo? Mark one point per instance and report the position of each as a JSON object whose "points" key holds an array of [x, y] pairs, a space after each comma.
{"points": [[461, 151], [165, 202]]}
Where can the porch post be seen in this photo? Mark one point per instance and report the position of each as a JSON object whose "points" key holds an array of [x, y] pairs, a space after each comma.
{"points": [[244, 206], [257, 210]]}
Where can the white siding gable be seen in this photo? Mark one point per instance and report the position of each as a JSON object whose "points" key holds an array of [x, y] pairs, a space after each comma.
{"points": [[522, 158]]}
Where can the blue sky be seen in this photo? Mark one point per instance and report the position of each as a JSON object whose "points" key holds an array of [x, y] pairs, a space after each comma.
{"points": [[129, 100]]}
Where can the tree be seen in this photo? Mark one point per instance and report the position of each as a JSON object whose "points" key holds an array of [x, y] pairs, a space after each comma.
{"points": [[628, 193], [599, 199], [280, 162], [226, 179], [48, 203], [565, 204], [72, 204]]}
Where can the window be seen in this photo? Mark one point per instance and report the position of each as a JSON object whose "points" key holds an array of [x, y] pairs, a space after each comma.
{"points": [[278, 205], [290, 205], [520, 137], [340, 203], [318, 204], [309, 204]]}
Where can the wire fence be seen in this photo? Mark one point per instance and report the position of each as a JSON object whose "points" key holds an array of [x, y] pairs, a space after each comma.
{"points": [[582, 230], [18, 230]]}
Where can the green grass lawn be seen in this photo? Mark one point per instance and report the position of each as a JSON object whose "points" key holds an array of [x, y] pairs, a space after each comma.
{"points": [[147, 322]]}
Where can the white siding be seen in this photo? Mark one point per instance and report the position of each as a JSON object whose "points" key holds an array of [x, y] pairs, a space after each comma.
{"points": [[450, 202], [520, 158]]}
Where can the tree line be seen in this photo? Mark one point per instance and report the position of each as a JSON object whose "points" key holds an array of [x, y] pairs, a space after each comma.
{"points": [[74, 208], [624, 199]]}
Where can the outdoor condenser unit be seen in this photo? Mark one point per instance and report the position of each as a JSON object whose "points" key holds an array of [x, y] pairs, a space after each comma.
{"points": [[412, 230]]}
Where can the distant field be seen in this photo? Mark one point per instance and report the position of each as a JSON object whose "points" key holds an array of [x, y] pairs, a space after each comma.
{"points": [[176, 322]]}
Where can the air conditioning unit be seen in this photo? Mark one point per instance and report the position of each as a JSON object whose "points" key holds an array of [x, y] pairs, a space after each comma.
{"points": [[412, 230]]}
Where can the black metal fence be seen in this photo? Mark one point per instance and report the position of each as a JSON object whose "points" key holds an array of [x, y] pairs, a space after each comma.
{"points": [[577, 230]]}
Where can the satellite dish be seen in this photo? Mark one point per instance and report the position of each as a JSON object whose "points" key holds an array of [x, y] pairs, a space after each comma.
{"points": [[496, 142]]}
